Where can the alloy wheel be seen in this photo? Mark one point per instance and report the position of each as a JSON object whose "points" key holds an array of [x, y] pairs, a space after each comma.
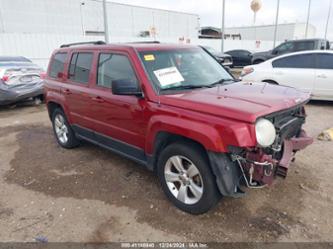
{"points": [[183, 179], [61, 128]]}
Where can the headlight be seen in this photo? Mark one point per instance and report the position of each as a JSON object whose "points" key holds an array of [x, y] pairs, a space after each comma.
{"points": [[265, 132]]}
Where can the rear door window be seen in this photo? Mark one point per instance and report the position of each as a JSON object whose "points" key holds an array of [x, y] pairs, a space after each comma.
{"points": [[80, 67], [325, 61], [295, 61], [57, 64]]}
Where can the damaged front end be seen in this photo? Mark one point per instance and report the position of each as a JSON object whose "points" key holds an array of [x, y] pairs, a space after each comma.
{"points": [[260, 165]]}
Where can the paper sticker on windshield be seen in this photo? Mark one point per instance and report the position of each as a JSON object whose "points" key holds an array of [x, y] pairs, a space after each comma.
{"points": [[149, 57], [168, 76]]}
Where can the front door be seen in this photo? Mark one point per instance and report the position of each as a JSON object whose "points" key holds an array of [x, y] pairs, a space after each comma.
{"points": [[119, 117]]}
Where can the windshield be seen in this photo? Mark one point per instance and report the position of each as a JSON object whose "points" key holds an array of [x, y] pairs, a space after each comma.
{"points": [[210, 49], [183, 68]]}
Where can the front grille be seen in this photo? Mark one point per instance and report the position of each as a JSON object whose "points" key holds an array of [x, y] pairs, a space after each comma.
{"points": [[290, 128], [288, 124]]}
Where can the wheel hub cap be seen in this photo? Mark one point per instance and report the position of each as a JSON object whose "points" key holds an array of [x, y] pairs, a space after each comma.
{"points": [[183, 179], [61, 128]]}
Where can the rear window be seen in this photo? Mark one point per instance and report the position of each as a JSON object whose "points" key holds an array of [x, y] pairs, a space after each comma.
{"points": [[295, 61], [57, 64], [80, 67], [325, 61]]}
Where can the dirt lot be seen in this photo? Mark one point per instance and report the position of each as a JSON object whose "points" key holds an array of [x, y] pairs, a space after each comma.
{"points": [[90, 194]]}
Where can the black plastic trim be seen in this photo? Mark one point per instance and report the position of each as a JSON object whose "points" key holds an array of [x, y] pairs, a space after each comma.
{"points": [[124, 149], [227, 174]]}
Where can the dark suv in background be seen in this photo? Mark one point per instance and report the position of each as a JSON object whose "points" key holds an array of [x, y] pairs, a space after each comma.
{"points": [[289, 47]]}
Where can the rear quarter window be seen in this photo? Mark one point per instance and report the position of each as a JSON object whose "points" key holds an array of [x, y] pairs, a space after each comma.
{"points": [[325, 61], [57, 64]]}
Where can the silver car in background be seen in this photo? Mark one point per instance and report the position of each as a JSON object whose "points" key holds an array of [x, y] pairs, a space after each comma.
{"points": [[20, 80], [12, 65], [22, 88]]}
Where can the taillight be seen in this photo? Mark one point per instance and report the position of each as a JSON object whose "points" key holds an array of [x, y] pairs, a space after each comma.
{"points": [[5, 78], [247, 70]]}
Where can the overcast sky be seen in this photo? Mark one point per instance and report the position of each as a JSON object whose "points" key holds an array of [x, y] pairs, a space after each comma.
{"points": [[238, 12]]}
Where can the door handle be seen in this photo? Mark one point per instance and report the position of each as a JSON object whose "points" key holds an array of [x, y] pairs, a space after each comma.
{"points": [[98, 99], [323, 76], [66, 91]]}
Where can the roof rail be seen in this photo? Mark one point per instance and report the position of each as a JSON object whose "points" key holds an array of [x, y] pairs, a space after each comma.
{"points": [[146, 42], [82, 43]]}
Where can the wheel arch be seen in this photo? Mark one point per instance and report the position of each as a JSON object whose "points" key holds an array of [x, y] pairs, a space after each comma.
{"points": [[165, 138], [52, 106], [270, 81], [257, 60], [225, 171]]}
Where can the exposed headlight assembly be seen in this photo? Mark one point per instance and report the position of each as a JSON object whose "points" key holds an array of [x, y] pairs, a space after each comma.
{"points": [[265, 132]]}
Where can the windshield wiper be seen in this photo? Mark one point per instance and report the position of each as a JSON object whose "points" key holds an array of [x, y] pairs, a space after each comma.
{"points": [[221, 82], [184, 87]]}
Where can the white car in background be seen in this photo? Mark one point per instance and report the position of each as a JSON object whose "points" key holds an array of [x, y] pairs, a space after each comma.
{"points": [[310, 71]]}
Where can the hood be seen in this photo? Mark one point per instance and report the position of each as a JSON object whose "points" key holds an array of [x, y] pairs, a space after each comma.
{"points": [[242, 101]]}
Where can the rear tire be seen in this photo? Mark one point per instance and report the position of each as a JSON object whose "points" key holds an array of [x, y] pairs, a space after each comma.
{"points": [[187, 179], [62, 130]]}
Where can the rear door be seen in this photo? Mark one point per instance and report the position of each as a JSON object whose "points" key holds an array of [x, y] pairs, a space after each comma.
{"points": [[296, 71], [76, 90], [119, 117], [323, 87]]}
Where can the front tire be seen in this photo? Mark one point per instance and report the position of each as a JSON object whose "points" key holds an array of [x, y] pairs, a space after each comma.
{"points": [[186, 178], [63, 131]]}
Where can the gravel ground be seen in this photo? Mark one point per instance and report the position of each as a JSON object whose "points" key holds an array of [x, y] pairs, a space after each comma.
{"points": [[89, 194]]}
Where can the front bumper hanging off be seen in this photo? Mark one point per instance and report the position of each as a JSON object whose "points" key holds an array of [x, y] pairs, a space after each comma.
{"points": [[259, 169]]}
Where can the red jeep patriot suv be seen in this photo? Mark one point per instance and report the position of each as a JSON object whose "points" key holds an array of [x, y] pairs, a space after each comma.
{"points": [[176, 110]]}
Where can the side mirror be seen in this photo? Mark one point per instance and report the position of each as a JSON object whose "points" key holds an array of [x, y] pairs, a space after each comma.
{"points": [[126, 87], [274, 51]]}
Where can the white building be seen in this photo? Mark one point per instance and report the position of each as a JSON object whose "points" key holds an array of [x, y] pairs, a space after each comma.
{"points": [[34, 28], [287, 31]]}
